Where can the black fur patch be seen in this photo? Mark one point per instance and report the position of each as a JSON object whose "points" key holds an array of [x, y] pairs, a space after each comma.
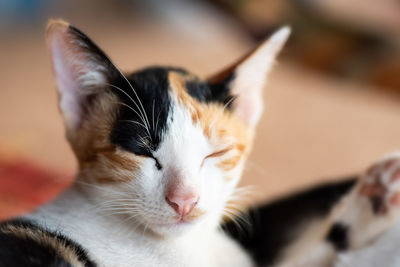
{"points": [[147, 122], [140, 130], [211, 92], [378, 204], [337, 236], [273, 226], [22, 251]]}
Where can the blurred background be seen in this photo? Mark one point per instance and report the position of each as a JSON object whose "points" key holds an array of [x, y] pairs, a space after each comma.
{"points": [[332, 102]]}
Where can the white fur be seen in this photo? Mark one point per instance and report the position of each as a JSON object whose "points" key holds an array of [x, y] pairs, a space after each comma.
{"points": [[383, 252]]}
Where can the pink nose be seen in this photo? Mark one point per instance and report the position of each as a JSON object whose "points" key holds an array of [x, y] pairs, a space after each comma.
{"points": [[182, 203]]}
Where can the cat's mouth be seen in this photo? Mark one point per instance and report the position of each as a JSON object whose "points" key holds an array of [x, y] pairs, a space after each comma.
{"points": [[187, 219]]}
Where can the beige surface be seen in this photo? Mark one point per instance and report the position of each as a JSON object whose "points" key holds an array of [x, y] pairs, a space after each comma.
{"points": [[313, 127]]}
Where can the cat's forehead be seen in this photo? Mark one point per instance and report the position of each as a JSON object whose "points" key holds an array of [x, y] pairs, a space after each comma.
{"points": [[156, 80], [148, 102]]}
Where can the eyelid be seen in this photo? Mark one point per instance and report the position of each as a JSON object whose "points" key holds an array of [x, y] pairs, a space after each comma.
{"points": [[219, 153], [157, 163]]}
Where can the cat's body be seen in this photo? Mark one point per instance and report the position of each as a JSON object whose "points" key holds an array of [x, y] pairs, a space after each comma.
{"points": [[160, 153]]}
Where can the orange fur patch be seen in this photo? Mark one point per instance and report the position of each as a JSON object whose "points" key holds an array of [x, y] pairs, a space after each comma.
{"points": [[219, 125], [178, 86], [99, 160]]}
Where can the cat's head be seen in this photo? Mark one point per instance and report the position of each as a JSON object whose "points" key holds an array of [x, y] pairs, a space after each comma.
{"points": [[159, 145]]}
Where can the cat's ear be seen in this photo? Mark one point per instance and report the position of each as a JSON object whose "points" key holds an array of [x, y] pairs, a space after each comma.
{"points": [[80, 67], [246, 79]]}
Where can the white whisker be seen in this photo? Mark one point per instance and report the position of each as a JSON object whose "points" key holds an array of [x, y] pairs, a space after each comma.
{"points": [[153, 114], [134, 91], [136, 122], [158, 119], [143, 116]]}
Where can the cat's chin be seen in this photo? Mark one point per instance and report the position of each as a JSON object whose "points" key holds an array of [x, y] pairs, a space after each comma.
{"points": [[176, 225]]}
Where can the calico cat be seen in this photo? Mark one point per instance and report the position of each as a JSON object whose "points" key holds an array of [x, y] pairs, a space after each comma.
{"points": [[160, 152]]}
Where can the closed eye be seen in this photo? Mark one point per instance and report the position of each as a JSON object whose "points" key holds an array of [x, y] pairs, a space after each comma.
{"points": [[218, 153], [157, 163]]}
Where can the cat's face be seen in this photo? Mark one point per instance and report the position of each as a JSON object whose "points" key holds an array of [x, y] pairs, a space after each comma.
{"points": [[160, 146]]}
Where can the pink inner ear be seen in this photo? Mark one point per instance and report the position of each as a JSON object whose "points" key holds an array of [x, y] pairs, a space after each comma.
{"points": [[251, 76], [67, 82], [249, 107]]}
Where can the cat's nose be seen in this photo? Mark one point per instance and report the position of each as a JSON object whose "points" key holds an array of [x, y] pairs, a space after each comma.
{"points": [[182, 203]]}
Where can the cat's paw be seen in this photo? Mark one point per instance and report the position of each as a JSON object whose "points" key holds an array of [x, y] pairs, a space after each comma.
{"points": [[381, 185], [373, 206]]}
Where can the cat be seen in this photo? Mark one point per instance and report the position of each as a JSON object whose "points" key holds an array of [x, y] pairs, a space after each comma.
{"points": [[160, 152]]}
